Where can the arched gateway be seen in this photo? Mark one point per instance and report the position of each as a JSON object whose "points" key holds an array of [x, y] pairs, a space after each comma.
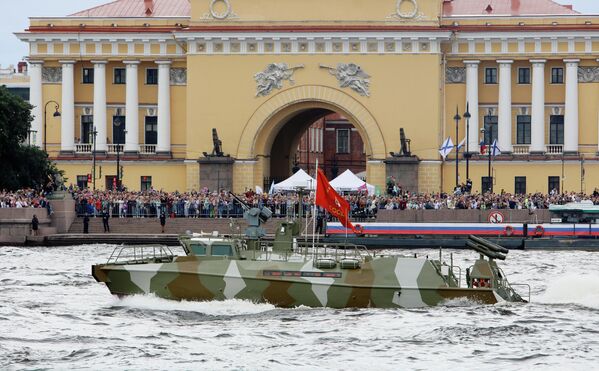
{"points": [[277, 113]]}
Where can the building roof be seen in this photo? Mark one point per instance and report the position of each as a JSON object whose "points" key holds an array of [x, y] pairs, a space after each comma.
{"points": [[451, 8], [455, 8], [137, 8]]}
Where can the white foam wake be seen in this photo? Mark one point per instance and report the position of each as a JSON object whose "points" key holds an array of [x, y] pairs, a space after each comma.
{"points": [[232, 307], [573, 288]]}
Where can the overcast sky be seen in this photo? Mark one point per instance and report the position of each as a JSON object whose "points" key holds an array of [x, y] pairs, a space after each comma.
{"points": [[14, 19]]}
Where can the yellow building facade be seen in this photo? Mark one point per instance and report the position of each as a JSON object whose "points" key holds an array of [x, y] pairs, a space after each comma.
{"points": [[148, 80]]}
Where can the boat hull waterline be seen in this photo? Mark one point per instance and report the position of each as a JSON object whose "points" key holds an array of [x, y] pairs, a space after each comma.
{"points": [[385, 282]]}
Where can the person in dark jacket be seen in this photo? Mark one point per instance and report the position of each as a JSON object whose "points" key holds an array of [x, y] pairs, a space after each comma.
{"points": [[34, 225], [162, 220], [105, 218], [86, 223]]}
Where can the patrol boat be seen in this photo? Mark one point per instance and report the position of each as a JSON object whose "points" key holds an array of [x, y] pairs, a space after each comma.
{"points": [[290, 271]]}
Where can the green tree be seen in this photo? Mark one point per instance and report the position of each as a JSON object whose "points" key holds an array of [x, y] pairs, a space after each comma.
{"points": [[21, 165]]}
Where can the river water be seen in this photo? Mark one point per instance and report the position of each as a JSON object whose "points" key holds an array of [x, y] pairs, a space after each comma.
{"points": [[53, 315]]}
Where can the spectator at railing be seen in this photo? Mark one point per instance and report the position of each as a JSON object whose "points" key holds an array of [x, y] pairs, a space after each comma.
{"points": [[207, 204]]}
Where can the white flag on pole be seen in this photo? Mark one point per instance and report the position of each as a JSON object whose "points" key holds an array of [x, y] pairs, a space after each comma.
{"points": [[446, 148], [495, 149], [462, 143]]}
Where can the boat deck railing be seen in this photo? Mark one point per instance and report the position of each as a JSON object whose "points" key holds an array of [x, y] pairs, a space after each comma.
{"points": [[305, 250], [140, 255]]}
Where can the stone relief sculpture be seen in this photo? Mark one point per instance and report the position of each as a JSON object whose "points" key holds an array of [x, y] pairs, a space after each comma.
{"points": [[178, 76], [350, 75], [272, 77], [588, 74], [215, 13], [409, 14], [52, 75], [455, 75]]}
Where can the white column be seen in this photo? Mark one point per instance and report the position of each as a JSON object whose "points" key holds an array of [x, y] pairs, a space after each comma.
{"points": [[504, 121], [164, 107], [537, 130], [100, 104], [35, 98], [571, 116], [472, 100], [132, 108], [67, 130]]}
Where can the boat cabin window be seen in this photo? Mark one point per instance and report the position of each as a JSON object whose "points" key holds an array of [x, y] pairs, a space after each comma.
{"points": [[222, 250], [198, 249]]}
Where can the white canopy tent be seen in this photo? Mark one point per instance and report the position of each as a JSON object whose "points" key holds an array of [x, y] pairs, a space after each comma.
{"points": [[348, 181], [299, 179]]}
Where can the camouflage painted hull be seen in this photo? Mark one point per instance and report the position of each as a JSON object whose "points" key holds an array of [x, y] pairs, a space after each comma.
{"points": [[384, 282]]}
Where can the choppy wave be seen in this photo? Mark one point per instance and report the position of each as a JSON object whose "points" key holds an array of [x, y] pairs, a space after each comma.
{"points": [[215, 308], [573, 288], [54, 315]]}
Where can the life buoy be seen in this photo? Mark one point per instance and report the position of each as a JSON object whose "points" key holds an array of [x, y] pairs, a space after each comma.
{"points": [[539, 231], [358, 229], [509, 230]]}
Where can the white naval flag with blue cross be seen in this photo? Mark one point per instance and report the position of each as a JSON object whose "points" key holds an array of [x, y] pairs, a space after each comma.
{"points": [[446, 148], [495, 149]]}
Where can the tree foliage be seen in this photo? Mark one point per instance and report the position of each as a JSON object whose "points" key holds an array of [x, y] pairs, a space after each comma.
{"points": [[21, 165]]}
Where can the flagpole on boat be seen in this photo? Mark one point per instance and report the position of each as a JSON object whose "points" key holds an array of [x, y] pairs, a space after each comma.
{"points": [[314, 207]]}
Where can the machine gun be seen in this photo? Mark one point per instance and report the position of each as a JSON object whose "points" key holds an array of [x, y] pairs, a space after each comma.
{"points": [[254, 217], [217, 150]]}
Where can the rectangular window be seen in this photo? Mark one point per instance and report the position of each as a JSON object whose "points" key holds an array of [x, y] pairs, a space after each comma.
{"points": [[152, 76], [491, 75], [523, 129], [556, 129], [118, 129], [520, 185], [151, 130], [557, 75], [342, 140], [486, 184], [120, 76], [553, 184], [82, 181], [524, 75], [490, 129], [146, 183], [87, 126], [88, 76]]}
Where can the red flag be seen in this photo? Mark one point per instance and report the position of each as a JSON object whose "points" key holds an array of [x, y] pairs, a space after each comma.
{"points": [[330, 200]]}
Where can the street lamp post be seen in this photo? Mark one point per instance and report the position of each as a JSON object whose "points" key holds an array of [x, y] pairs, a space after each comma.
{"points": [[467, 154], [55, 114], [487, 140], [30, 137], [117, 123], [94, 133], [457, 119]]}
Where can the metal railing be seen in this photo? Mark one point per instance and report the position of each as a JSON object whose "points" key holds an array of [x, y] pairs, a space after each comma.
{"points": [[140, 255], [307, 250], [111, 148], [147, 149], [521, 149], [83, 148], [554, 149]]}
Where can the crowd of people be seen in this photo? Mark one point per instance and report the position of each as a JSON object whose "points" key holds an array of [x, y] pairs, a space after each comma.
{"points": [[207, 204], [222, 204], [25, 198]]}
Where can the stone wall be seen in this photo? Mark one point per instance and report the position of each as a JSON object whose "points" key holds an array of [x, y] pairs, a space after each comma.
{"points": [[461, 216]]}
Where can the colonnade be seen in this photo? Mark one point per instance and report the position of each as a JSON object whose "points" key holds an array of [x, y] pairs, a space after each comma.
{"points": [[67, 135]]}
